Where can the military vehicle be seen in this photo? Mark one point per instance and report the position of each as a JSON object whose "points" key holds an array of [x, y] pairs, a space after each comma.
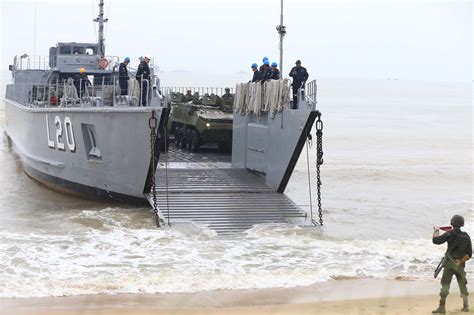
{"points": [[196, 121]]}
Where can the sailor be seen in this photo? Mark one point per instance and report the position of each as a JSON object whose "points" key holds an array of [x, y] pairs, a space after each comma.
{"points": [[123, 76], [299, 75], [257, 75], [265, 70], [263, 61], [227, 100], [227, 93], [459, 251], [189, 96], [275, 71], [143, 73], [82, 83]]}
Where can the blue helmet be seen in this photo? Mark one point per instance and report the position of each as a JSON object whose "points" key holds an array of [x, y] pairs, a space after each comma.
{"points": [[254, 65], [266, 62], [274, 64], [265, 59], [127, 59]]}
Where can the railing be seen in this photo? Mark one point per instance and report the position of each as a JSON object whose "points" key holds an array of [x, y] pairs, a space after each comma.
{"points": [[26, 62], [311, 93], [103, 91], [219, 91]]}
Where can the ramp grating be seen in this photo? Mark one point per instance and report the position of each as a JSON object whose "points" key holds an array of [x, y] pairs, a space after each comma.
{"points": [[207, 191]]}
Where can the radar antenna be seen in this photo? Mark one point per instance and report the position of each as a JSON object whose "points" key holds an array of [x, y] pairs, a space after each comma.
{"points": [[100, 19], [281, 29]]}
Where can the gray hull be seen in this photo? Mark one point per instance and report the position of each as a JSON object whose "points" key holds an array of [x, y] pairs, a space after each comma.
{"points": [[98, 152]]}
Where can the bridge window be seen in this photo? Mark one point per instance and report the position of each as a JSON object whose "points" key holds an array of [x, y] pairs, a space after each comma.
{"points": [[90, 51], [65, 50], [78, 50]]}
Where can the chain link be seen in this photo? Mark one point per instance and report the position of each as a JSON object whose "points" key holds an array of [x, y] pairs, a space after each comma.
{"points": [[153, 124], [319, 162]]}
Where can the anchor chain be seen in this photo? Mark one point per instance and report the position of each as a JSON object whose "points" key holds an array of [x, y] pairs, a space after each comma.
{"points": [[153, 124], [319, 162]]}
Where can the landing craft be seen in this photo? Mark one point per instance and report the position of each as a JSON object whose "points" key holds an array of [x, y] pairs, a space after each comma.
{"points": [[94, 140]]}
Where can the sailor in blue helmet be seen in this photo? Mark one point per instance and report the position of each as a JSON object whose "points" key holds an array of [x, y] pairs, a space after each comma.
{"points": [[123, 76], [257, 75], [299, 75], [265, 70], [275, 71]]}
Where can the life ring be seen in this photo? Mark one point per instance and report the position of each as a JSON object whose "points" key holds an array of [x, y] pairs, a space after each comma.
{"points": [[103, 63]]}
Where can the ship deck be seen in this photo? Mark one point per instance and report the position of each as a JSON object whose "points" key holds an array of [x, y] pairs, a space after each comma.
{"points": [[203, 188]]}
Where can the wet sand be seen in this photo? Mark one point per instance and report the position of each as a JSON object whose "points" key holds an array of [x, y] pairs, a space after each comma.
{"points": [[359, 296]]}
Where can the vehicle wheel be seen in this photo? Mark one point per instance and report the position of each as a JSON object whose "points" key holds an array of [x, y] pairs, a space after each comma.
{"points": [[194, 142], [224, 147], [177, 137], [184, 138], [164, 141]]}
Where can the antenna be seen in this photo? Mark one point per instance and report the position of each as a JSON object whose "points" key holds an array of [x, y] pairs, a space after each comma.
{"points": [[281, 29], [100, 19], [34, 36]]}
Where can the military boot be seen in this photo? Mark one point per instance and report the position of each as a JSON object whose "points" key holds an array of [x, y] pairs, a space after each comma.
{"points": [[441, 308], [465, 304]]}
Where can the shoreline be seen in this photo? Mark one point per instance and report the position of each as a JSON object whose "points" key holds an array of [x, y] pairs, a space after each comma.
{"points": [[363, 296]]}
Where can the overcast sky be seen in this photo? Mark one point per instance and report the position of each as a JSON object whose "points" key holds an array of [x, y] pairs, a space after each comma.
{"points": [[416, 39]]}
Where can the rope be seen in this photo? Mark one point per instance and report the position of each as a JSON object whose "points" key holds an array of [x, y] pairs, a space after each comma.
{"points": [[309, 179], [166, 174]]}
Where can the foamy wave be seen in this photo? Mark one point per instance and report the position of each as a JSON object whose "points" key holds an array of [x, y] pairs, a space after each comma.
{"points": [[108, 258]]}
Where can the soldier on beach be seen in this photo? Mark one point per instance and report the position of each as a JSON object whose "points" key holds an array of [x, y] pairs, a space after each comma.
{"points": [[459, 251]]}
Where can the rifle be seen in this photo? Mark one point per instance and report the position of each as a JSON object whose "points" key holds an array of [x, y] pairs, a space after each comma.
{"points": [[440, 266]]}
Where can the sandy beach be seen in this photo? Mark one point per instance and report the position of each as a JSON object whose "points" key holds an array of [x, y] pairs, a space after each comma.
{"points": [[359, 296]]}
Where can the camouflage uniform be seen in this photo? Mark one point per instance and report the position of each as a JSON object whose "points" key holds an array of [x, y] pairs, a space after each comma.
{"points": [[459, 246]]}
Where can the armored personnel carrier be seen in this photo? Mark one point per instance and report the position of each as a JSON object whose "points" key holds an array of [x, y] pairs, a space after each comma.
{"points": [[196, 121]]}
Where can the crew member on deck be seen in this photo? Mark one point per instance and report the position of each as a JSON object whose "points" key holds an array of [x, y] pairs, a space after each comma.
{"points": [[299, 75], [123, 76], [143, 73], [82, 83], [265, 70], [257, 75], [275, 71]]}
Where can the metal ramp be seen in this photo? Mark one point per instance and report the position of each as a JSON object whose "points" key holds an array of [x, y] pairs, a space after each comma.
{"points": [[204, 189]]}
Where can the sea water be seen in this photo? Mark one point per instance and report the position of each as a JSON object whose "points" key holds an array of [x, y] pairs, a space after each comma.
{"points": [[397, 161]]}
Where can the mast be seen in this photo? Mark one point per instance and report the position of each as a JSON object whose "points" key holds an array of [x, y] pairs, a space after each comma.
{"points": [[100, 19], [281, 29]]}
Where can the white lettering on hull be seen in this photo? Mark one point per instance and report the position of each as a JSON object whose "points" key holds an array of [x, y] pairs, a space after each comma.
{"points": [[69, 134], [59, 133], [50, 142], [71, 143]]}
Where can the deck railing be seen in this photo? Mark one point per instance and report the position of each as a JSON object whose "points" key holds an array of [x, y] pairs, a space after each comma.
{"points": [[219, 91], [103, 91]]}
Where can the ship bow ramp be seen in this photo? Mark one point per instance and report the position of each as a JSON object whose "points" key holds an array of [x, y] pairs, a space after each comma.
{"points": [[231, 193]]}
